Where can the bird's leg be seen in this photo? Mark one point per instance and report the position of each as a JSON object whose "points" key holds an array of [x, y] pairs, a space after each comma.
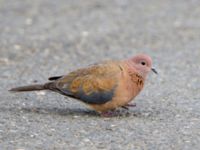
{"points": [[128, 105], [125, 107]]}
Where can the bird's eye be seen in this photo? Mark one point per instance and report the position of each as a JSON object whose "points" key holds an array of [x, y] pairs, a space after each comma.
{"points": [[143, 63]]}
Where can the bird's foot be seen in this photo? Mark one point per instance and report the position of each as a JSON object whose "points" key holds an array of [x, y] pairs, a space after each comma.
{"points": [[131, 105], [108, 114]]}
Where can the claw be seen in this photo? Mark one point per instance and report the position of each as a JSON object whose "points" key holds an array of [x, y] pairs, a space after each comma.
{"points": [[125, 107], [131, 105]]}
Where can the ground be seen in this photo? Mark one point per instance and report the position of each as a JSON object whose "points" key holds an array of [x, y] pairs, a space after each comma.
{"points": [[43, 38]]}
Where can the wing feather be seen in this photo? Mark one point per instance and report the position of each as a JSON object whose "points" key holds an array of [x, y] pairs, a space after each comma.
{"points": [[94, 85]]}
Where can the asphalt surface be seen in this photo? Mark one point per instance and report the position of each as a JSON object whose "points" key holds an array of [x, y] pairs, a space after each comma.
{"points": [[42, 38]]}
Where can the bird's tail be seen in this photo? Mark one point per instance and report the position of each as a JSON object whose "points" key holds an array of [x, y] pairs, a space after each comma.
{"points": [[27, 88]]}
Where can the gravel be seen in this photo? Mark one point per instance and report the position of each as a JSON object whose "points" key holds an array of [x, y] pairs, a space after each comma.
{"points": [[42, 38]]}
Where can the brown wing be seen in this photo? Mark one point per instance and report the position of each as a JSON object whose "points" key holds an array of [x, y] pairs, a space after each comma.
{"points": [[94, 85]]}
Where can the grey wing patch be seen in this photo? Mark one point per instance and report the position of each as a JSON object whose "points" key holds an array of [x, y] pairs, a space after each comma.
{"points": [[99, 97]]}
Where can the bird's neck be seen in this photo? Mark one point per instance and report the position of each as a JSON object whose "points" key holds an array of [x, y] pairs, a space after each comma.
{"points": [[133, 69]]}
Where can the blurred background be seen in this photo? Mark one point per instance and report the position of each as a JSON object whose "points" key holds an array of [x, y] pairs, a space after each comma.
{"points": [[43, 38]]}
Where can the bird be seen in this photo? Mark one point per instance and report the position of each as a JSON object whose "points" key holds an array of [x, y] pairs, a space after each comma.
{"points": [[104, 86]]}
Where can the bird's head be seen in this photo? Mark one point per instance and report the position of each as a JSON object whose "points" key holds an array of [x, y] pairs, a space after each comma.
{"points": [[141, 63]]}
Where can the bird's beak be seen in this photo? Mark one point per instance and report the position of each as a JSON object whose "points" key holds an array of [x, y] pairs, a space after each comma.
{"points": [[154, 70]]}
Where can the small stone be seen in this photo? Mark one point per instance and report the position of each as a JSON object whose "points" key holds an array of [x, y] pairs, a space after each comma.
{"points": [[85, 33], [41, 93], [17, 47], [29, 21]]}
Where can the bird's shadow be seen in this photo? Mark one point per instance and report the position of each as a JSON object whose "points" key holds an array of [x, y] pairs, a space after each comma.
{"points": [[69, 111], [79, 112], [60, 111]]}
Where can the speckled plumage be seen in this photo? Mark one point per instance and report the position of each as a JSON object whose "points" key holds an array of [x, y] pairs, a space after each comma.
{"points": [[103, 86]]}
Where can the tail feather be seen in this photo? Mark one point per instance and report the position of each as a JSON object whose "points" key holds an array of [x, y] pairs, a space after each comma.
{"points": [[55, 77], [35, 87]]}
